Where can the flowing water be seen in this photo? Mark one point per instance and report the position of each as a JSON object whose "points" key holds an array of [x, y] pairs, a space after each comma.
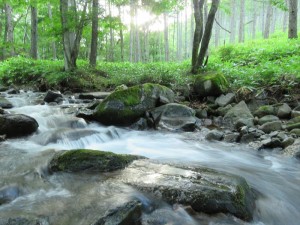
{"points": [[64, 198]]}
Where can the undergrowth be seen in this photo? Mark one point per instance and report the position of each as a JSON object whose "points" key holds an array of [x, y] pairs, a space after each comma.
{"points": [[255, 64]]}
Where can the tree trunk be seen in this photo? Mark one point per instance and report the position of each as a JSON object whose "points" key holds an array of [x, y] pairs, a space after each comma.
{"points": [[217, 31], [94, 39], [9, 30], [207, 33], [254, 21], [293, 13], [186, 30], [233, 21], [198, 15], [71, 39], [121, 35], [192, 29], [166, 37], [285, 18], [111, 35], [242, 22], [268, 20], [54, 52], [131, 29], [34, 32]]}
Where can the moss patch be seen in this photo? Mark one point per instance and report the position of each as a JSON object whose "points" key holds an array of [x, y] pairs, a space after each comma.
{"points": [[89, 160]]}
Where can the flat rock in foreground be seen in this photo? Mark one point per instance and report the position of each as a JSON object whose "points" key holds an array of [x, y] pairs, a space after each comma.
{"points": [[205, 190]]}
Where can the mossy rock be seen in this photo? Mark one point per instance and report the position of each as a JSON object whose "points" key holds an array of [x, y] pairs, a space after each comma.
{"points": [[5, 104], [89, 160], [124, 107], [265, 110], [210, 85]]}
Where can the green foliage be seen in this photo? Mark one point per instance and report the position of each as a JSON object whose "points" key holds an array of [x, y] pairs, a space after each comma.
{"points": [[259, 63]]}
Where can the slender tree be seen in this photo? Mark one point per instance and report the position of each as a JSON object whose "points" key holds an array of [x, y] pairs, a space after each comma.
{"points": [[94, 40], [242, 21], [205, 38], [233, 21], [9, 30], [268, 20], [293, 14], [34, 31]]}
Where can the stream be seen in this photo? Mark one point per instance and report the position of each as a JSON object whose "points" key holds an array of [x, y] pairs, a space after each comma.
{"points": [[79, 199]]}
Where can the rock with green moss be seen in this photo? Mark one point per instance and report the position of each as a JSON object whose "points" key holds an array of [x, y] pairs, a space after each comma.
{"points": [[124, 107], [203, 189], [265, 110], [210, 85], [89, 160]]}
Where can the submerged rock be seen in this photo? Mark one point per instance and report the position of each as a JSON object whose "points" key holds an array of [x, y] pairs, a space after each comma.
{"points": [[8, 194], [5, 104], [125, 107], [205, 190], [128, 214], [174, 117], [16, 125], [23, 221], [89, 160]]}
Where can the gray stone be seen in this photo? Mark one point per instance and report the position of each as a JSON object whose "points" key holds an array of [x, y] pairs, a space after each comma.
{"points": [[295, 114], [214, 135], [247, 138], [221, 111], [201, 113], [287, 142], [271, 126], [205, 190], [52, 96], [129, 213], [8, 194], [284, 111], [271, 143], [243, 122], [266, 119], [23, 221], [5, 104], [231, 137], [296, 132], [239, 111], [174, 117], [224, 100]]}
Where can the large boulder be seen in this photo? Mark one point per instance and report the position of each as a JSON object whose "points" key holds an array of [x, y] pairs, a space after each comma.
{"points": [[240, 113], [265, 110], [5, 104], [174, 117], [8, 194], [205, 190], [24, 221], [210, 85], [16, 125], [125, 107], [89, 160], [271, 126], [129, 213]]}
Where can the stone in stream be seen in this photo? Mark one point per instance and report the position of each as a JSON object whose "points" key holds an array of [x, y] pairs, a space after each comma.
{"points": [[266, 119], [205, 190], [265, 110], [128, 214], [8, 194], [17, 125], [174, 117], [125, 107], [5, 104], [224, 100], [89, 160], [24, 221], [52, 96]]}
